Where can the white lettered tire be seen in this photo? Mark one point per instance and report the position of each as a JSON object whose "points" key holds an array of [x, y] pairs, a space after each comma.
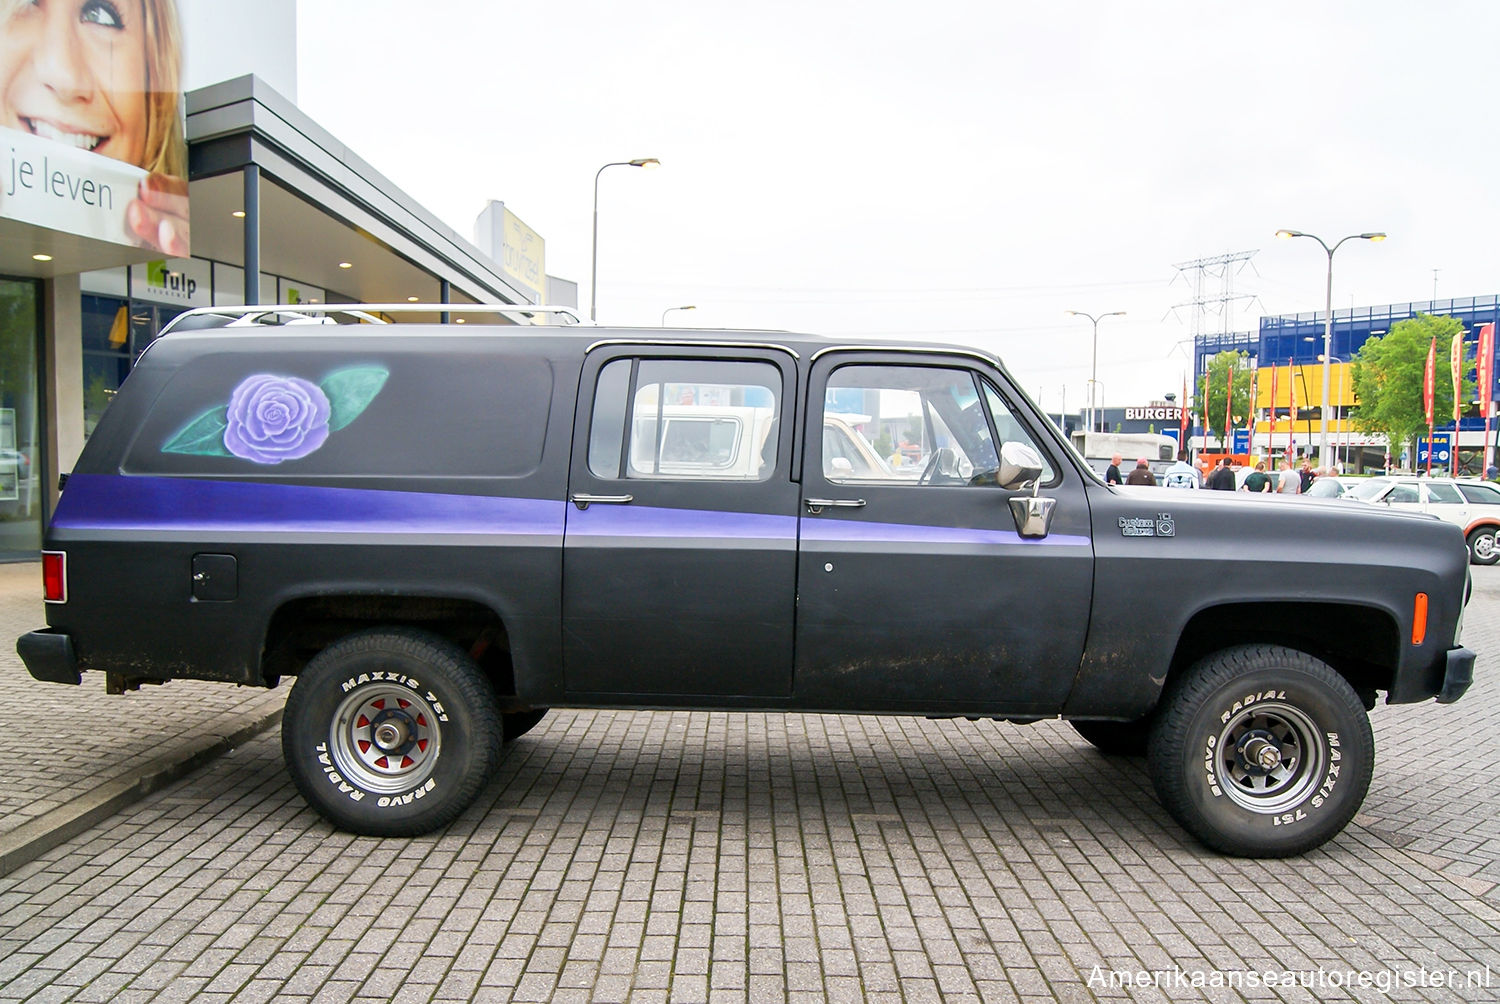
{"points": [[1261, 751], [390, 732]]}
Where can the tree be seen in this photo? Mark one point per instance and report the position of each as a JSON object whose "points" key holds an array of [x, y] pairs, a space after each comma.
{"points": [[1215, 384], [1388, 373]]}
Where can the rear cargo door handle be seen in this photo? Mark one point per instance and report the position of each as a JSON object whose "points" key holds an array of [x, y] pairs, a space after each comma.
{"points": [[816, 506], [583, 501]]}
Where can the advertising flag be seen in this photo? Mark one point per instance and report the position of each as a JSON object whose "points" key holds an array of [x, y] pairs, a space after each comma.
{"points": [[1291, 376], [1229, 402], [1485, 368], [1455, 364], [1183, 418], [1485, 373], [1250, 418], [1274, 371], [1429, 384]]}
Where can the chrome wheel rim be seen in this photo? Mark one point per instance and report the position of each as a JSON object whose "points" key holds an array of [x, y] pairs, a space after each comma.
{"points": [[385, 738], [1269, 757], [1484, 545]]}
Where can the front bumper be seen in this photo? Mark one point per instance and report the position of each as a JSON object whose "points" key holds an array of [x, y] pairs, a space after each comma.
{"points": [[49, 656], [1458, 675]]}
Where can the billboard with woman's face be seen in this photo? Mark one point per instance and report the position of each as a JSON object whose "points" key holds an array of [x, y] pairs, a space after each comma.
{"points": [[91, 125]]}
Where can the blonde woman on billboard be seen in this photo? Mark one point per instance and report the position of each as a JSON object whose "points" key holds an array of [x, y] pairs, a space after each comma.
{"points": [[104, 77]]}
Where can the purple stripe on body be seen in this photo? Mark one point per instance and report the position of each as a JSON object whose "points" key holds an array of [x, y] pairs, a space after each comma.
{"points": [[119, 502]]}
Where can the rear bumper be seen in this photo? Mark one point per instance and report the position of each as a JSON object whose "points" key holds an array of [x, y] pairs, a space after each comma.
{"points": [[1458, 675], [49, 656]]}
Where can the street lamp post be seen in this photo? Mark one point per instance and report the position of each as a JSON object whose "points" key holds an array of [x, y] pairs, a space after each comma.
{"points": [[1328, 325], [1094, 366], [594, 269], [664, 313]]}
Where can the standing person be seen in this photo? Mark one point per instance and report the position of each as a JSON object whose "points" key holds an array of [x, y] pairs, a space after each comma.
{"points": [[1141, 475], [1181, 474], [1258, 483], [1222, 479], [1305, 476], [1112, 475], [1287, 482], [104, 79]]}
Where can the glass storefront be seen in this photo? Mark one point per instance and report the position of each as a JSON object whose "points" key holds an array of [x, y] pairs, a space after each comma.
{"points": [[115, 333], [21, 502]]}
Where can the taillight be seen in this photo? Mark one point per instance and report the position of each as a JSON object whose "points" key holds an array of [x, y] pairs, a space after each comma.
{"points": [[55, 576]]}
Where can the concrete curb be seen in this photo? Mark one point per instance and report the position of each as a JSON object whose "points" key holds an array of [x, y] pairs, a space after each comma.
{"points": [[36, 837]]}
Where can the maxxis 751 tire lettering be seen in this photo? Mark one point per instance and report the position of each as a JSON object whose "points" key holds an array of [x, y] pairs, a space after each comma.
{"points": [[391, 732], [1261, 751]]}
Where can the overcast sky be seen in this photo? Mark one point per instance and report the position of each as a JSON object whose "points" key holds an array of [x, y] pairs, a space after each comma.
{"points": [[952, 171]]}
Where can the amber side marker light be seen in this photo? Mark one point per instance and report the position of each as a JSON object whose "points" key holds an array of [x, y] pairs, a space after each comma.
{"points": [[55, 576], [1419, 620]]}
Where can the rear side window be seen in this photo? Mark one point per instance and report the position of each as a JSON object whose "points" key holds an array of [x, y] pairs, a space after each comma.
{"points": [[685, 419], [1481, 494], [324, 414]]}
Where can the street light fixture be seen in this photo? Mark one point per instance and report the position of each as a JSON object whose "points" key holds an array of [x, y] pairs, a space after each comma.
{"points": [[594, 269], [1328, 324], [1094, 368], [664, 313]]}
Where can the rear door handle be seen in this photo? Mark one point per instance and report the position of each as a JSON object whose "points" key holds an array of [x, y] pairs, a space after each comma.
{"points": [[816, 506], [583, 501]]}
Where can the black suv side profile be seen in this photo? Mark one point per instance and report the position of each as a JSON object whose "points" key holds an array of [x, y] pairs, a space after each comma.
{"points": [[441, 532]]}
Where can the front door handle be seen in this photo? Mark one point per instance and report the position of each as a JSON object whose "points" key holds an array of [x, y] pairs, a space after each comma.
{"points": [[816, 506], [583, 501]]}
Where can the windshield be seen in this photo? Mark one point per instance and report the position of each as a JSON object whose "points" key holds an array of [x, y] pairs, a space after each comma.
{"points": [[1325, 488]]}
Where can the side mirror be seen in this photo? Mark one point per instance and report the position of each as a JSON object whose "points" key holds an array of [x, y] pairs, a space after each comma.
{"points": [[841, 465], [1019, 466]]}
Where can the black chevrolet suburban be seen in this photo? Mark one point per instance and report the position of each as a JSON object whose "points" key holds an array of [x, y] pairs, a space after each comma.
{"points": [[440, 532]]}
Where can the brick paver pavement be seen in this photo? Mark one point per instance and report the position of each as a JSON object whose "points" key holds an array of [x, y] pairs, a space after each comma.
{"points": [[72, 740], [762, 857]]}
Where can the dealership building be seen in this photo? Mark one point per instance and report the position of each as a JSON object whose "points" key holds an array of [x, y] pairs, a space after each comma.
{"points": [[280, 212]]}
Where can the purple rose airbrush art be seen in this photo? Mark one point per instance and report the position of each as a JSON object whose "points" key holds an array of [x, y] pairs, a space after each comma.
{"points": [[272, 418]]}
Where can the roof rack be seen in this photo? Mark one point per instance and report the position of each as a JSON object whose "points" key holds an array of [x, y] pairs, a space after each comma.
{"points": [[200, 318]]}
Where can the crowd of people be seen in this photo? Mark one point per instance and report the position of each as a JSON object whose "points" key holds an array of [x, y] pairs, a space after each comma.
{"points": [[1287, 479]]}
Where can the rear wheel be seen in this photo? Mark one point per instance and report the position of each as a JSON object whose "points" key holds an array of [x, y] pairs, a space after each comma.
{"points": [[1484, 549], [1116, 738], [390, 732], [1262, 751]]}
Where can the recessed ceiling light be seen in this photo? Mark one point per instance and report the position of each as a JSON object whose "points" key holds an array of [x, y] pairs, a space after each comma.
{"points": [[41, 257], [459, 320], [346, 264], [411, 299], [238, 214]]}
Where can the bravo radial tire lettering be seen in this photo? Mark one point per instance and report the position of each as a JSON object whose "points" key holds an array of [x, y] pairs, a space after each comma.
{"points": [[391, 732]]}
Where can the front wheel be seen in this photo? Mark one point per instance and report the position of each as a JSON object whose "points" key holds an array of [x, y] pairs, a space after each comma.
{"points": [[390, 732], [1262, 752], [1484, 549]]}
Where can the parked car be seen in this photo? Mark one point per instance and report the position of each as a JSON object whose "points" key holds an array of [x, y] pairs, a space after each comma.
{"points": [[1332, 487], [1470, 504], [441, 532]]}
